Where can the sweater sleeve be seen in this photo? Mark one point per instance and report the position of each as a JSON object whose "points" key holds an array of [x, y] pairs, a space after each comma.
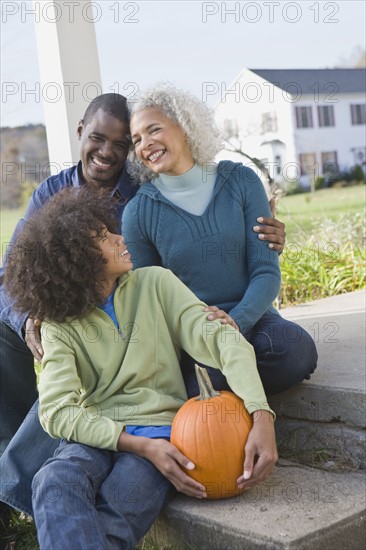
{"points": [[262, 262], [134, 229], [210, 342], [64, 412]]}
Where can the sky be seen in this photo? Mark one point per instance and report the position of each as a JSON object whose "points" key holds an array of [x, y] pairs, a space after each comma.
{"points": [[195, 45]]}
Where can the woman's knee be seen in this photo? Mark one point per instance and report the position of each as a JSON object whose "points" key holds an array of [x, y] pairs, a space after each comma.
{"points": [[302, 356], [278, 335], [292, 359]]}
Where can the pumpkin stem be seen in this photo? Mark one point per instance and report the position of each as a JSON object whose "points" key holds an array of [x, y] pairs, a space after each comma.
{"points": [[204, 384]]}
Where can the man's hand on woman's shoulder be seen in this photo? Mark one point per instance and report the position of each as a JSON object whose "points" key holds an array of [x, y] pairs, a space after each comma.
{"points": [[271, 230]]}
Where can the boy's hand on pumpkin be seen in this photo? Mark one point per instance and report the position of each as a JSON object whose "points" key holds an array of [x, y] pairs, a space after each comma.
{"points": [[216, 313], [260, 451], [170, 461]]}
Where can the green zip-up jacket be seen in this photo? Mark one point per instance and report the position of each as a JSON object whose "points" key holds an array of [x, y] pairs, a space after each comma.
{"points": [[96, 379]]}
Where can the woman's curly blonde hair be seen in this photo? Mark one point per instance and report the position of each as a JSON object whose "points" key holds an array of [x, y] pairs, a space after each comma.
{"points": [[192, 115]]}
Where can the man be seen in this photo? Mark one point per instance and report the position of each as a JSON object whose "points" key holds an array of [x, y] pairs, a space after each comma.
{"points": [[104, 145]]}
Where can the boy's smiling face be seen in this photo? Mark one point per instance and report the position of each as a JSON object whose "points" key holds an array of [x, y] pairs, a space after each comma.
{"points": [[115, 253]]}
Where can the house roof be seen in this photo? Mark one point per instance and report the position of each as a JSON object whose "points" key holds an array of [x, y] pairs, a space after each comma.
{"points": [[345, 80]]}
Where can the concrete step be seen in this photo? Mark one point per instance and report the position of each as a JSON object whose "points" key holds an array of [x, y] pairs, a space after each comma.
{"points": [[298, 508], [321, 426], [327, 413]]}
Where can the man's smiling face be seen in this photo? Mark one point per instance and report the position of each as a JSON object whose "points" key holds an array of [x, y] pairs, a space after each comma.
{"points": [[104, 145]]}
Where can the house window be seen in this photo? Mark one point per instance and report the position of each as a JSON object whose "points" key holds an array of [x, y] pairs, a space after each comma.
{"points": [[230, 128], [278, 164], [269, 122], [359, 155], [304, 117], [326, 116], [358, 114], [329, 162], [307, 163]]}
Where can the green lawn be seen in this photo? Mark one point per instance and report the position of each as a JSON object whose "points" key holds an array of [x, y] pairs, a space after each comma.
{"points": [[300, 212]]}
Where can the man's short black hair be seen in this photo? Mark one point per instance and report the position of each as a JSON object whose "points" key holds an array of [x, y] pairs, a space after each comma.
{"points": [[113, 104]]}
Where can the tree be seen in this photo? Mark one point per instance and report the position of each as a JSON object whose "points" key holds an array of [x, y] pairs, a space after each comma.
{"points": [[235, 145], [355, 60]]}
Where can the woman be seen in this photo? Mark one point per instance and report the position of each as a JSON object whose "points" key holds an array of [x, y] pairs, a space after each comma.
{"points": [[197, 218], [111, 382]]}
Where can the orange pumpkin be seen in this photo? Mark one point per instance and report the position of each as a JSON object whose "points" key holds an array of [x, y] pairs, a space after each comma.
{"points": [[211, 430]]}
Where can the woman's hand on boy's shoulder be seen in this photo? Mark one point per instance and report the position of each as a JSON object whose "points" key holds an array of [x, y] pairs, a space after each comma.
{"points": [[170, 461], [221, 315]]}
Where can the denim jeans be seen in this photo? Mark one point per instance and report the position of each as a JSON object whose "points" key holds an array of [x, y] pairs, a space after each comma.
{"points": [[285, 353], [18, 389], [87, 498], [27, 452]]}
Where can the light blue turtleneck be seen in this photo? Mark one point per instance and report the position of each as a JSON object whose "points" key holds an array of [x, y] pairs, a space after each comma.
{"points": [[192, 190]]}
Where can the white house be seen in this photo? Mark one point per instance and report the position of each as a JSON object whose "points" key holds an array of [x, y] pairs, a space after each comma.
{"points": [[301, 123]]}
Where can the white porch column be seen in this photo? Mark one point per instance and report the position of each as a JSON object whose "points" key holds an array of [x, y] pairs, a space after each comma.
{"points": [[69, 69]]}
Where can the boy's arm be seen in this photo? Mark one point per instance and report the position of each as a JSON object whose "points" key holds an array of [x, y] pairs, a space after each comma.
{"points": [[210, 342], [63, 410]]}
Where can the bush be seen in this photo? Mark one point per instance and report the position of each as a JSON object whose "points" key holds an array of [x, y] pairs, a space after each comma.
{"points": [[292, 187], [319, 183], [330, 262], [357, 173], [344, 177]]}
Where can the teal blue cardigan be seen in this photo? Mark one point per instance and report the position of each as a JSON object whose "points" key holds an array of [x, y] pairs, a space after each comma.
{"points": [[217, 254]]}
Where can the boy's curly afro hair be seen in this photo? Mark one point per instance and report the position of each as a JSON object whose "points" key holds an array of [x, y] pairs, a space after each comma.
{"points": [[55, 268]]}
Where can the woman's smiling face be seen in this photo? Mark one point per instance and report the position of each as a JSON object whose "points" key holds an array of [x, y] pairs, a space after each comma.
{"points": [[160, 142]]}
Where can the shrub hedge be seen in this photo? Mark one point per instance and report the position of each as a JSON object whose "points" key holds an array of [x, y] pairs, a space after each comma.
{"points": [[330, 262]]}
